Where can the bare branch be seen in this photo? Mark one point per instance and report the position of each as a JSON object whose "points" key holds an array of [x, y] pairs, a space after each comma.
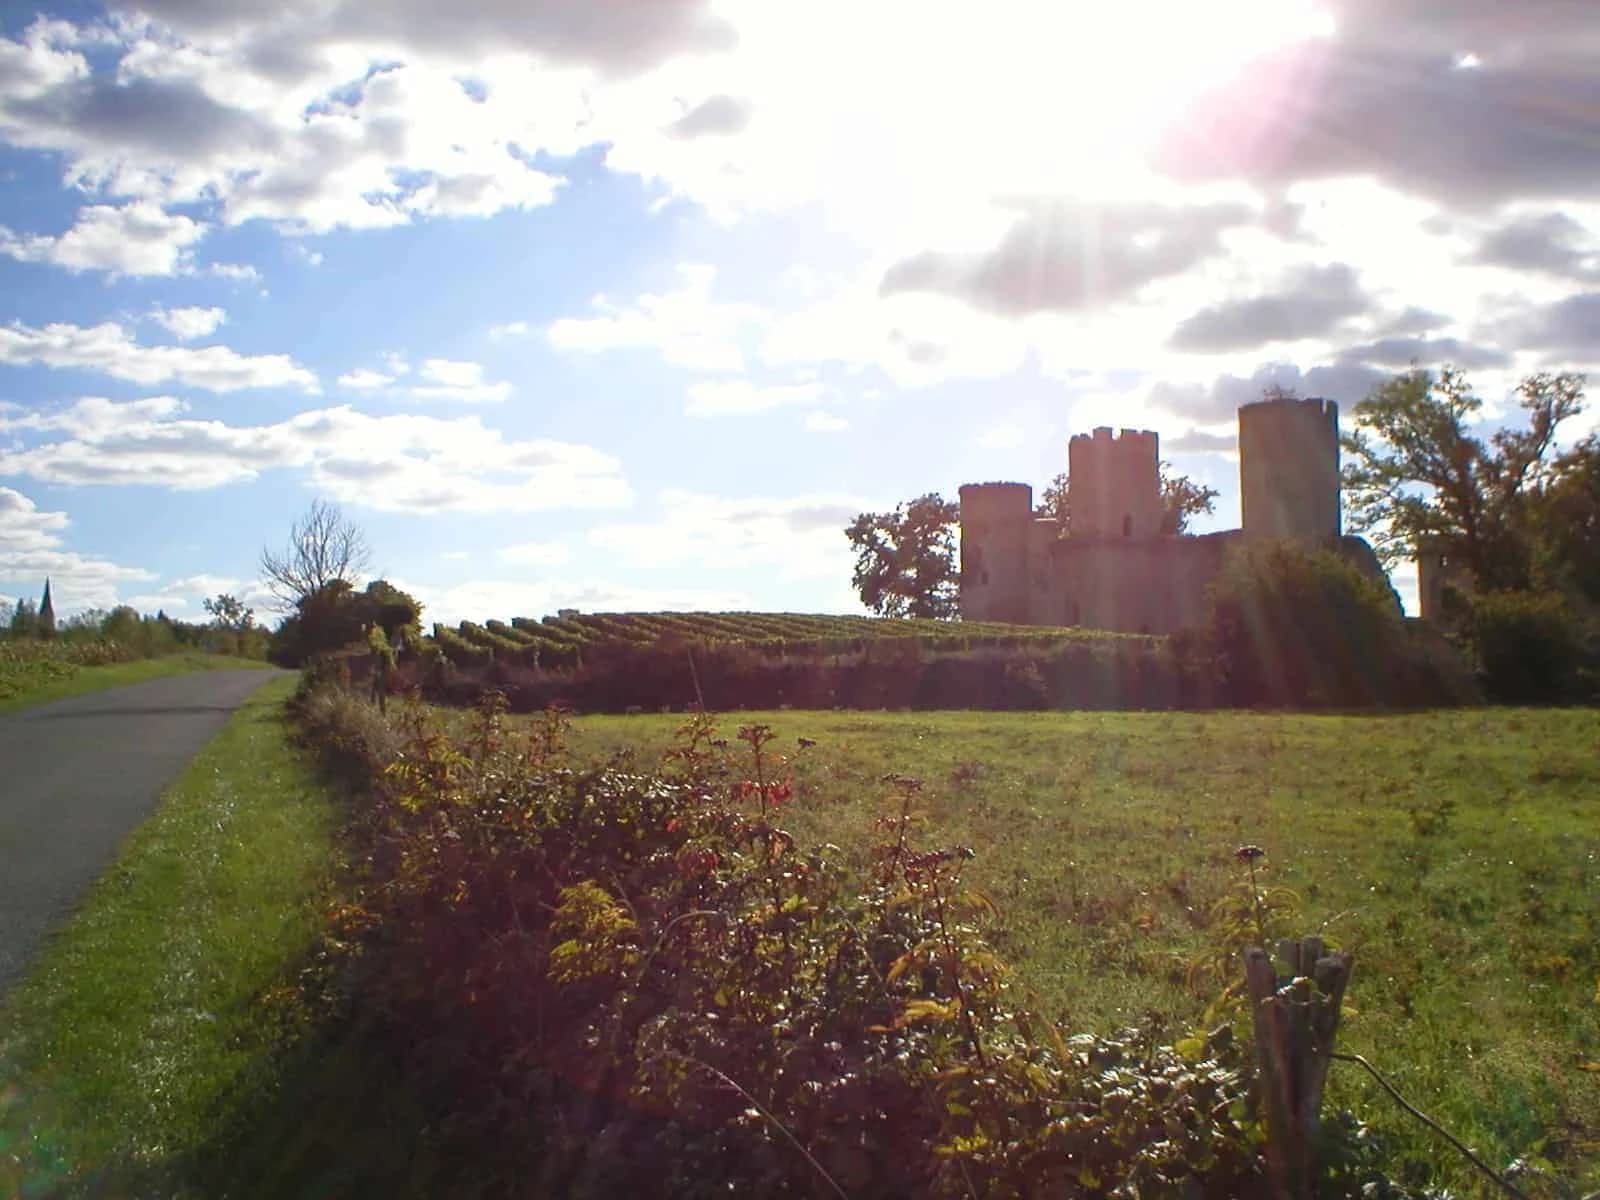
{"points": [[324, 548]]}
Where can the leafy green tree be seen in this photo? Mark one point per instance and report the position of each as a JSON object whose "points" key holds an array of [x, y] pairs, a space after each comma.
{"points": [[1416, 473], [1567, 522], [906, 559], [229, 612], [1181, 500], [24, 619], [397, 613], [124, 626]]}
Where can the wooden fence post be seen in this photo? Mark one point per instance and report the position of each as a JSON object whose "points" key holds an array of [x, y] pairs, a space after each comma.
{"points": [[1296, 1017]]}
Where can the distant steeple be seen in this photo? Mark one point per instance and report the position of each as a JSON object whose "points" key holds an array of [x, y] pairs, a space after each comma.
{"points": [[47, 613]]}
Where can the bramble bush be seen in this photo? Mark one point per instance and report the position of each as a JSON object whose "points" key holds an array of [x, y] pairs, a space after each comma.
{"points": [[604, 979]]}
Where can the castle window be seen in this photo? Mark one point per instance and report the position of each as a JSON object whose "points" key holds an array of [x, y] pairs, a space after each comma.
{"points": [[1127, 525], [985, 576]]}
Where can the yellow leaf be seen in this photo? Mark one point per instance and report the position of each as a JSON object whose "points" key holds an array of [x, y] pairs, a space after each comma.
{"points": [[1592, 1067]]}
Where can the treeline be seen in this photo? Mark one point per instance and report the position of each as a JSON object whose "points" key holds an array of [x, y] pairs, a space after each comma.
{"points": [[123, 633]]}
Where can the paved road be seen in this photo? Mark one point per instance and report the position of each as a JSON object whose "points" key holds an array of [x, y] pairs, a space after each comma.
{"points": [[76, 776]]}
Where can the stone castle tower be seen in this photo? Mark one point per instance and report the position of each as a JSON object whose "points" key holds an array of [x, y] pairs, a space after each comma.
{"points": [[1115, 484], [1289, 469], [1113, 567]]}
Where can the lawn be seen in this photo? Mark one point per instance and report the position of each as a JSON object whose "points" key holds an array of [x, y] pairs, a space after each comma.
{"points": [[144, 1018], [1457, 854], [24, 684]]}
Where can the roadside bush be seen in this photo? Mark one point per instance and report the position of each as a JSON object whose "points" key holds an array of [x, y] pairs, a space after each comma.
{"points": [[605, 980], [1528, 646]]}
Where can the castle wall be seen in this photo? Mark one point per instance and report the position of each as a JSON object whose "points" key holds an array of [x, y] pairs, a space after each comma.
{"points": [[1134, 585], [1289, 469], [1115, 484], [996, 526]]}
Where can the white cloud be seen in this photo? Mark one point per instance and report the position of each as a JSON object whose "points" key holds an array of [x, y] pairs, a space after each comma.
{"points": [[740, 397], [111, 350], [800, 536], [363, 379], [134, 239], [236, 272], [685, 327], [451, 379], [396, 463], [31, 550], [189, 323], [509, 329], [1002, 437], [535, 554], [825, 422]]}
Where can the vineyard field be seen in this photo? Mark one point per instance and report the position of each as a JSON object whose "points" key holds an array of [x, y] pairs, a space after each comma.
{"points": [[564, 640]]}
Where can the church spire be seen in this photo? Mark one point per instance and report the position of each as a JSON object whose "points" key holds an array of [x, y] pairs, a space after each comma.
{"points": [[47, 613]]}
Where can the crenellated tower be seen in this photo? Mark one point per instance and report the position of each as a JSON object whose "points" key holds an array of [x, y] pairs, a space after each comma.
{"points": [[1289, 469], [1115, 484], [996, 523]]}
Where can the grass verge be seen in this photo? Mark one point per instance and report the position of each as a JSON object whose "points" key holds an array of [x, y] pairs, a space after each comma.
{"points": [[1456, 853], [94, 679], [144, 1015]]}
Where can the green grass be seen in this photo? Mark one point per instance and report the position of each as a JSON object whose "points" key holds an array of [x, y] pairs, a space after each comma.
{"points": [[41, 686], [1456, 853], [143, 1017]]}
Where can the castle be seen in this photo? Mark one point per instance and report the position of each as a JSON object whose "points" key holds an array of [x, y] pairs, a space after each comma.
{"points": [[1113, 567]]}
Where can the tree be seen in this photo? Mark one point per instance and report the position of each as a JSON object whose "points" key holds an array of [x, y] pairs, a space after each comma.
{"points": [[1181, 499], [324, 549], [1566, 522], [906, 559], [1416, 475], [229, 613], [24, 619], [397, 613]]}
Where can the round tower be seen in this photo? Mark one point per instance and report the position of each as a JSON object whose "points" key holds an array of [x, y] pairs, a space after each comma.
{"points": [[996, 519], [1289, 469]]}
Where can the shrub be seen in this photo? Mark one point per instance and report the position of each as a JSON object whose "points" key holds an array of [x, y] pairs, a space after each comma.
{"points": [[608, 980], [1290, 627], [1527, 646]]}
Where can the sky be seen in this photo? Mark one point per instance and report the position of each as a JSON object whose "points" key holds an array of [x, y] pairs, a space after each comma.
{"points": [[634, 305]]}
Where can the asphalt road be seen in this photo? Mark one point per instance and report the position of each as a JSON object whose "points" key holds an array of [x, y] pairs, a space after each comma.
{"points": [[78, 775]]}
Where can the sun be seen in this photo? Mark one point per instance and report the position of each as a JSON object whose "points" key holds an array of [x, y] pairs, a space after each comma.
{"points": [[1011, 94]]}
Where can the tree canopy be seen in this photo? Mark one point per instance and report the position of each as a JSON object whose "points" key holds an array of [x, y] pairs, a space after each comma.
{"points": [[906, 559], [1417, 476]]}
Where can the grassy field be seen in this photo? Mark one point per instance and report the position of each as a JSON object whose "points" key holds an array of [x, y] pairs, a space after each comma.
{"points": [[1457, 854], [31, 684], [126, 1040]]}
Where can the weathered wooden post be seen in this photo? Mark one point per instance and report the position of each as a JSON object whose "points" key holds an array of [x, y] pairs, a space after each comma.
{"points": [[1296, 1017]]}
